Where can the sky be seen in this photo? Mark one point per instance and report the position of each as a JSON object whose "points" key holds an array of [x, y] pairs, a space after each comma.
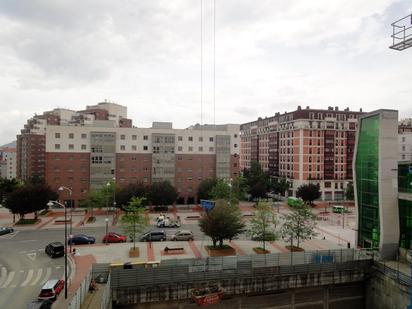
{"points": [[271, 56]]}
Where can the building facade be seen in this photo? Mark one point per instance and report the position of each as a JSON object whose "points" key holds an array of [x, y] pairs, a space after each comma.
{"points": [[84, 150], [405, 140], [306, 145], [8, 162], [376, 182]]}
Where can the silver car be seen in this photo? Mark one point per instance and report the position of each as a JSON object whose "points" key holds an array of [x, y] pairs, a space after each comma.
{"points": [[183, 235]]}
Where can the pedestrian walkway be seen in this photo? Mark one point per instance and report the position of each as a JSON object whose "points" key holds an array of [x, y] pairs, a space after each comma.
{"points": [[20, 278]]}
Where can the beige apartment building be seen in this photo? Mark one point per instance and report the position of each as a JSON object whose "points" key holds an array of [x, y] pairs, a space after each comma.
{"points": [[8, 164], [84, 150], [305, 145]]}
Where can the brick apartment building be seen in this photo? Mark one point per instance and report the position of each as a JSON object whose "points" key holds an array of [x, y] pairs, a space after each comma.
{"points": [[84, 150], [306, 145]]}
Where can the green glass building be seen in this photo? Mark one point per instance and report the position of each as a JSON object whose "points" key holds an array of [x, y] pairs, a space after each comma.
{"points": [[376, 182], [405, 204]]}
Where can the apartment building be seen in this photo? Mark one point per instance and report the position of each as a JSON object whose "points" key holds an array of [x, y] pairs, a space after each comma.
{"points": [[84, 150], [405, 140], [8, 166], [305, 145]]}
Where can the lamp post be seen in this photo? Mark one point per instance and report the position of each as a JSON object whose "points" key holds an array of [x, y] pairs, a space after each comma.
{"points": [[230, 192], [114, 196], [50, 204], [107, 228], [62, 188]]}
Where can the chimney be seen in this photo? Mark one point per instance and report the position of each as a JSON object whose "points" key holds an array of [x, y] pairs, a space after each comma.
{"points": [[299, 107], [307, 107], [360, 109], [336, 108]]}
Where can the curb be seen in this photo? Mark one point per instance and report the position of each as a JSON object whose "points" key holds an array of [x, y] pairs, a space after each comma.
{"points": [[72, 268]]}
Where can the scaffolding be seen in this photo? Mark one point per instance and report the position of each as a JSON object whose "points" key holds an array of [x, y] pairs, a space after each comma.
{"points": [[402, 33]]}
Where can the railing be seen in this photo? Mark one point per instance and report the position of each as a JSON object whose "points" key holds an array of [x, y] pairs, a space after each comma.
{"points": [[107, 296], [81, 292], [393, 273], [402, 33]]}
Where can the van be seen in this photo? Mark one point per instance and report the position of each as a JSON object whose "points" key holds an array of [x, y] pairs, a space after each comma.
{"points": [[51, 289], [153, 236], [54, 249]]}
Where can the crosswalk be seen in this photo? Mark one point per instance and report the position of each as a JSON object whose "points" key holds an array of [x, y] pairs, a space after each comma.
{"points": [[9, 235], [28, 277]]}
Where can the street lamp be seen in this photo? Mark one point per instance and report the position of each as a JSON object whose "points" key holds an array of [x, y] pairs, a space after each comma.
{"points": [[230, 192], [62, 188], [107, 228], [50, 204]]}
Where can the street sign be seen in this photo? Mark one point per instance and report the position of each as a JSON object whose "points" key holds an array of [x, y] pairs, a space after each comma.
{"points": [[207, 204]]}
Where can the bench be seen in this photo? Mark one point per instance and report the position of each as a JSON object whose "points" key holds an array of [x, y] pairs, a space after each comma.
{"points": [[167, 249]]}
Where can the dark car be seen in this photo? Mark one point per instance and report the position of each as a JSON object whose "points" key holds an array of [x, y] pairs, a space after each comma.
{"points": [[6, 230], [81, 239], [153, 236], [114, 237], [55, 249], [40, 304]]}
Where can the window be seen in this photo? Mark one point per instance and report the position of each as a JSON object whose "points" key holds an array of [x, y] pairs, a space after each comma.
{"points": [[200, 138], [71, 135], [57, 135], [180, 148], [235, 145], [145, 147], [134, 137], [210, 139], [134, 147], [200, 149], [190, 148], [84, 135], [122, 147], [122, 137], [190, 138], [235, 136], [211, 149], [71, 146], [83, 147], [180, 138], [145, 137], [56, 146]]}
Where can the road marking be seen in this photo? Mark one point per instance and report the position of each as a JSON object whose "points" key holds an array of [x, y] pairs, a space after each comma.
{"points": [[3, 275], [48, 274], [22, 271], [41, 250], [39, 273], [32, 255], [8, 281], [28, 278], [58, 267]]}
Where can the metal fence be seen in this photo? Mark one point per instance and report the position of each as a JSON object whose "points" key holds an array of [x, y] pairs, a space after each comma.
{"points": [[231, 267], [81, 292], [106, 300], [393, 273]]}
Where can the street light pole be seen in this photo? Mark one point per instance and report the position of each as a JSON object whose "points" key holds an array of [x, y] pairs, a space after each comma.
{"points": [[51, 203], [71, 211], [107, 228]]}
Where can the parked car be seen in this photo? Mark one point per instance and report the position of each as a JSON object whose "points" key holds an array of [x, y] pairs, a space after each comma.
{"points": [[81, 239], [183, 235], [40, 304], [6, 230], [168, 223], [51, 289], [113, 238], [54, 249], [153, 236]]}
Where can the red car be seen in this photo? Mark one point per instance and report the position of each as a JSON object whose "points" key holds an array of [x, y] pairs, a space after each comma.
{"points": [[114, 237], [51, 289]]}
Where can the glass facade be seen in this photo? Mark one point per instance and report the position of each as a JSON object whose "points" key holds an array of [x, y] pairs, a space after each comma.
{"points": [[405, 206], [367, 182]]}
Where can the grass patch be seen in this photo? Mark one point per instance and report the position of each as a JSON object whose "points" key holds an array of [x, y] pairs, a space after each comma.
{"points": [[28, 221], [44, 212], [91, 220]]}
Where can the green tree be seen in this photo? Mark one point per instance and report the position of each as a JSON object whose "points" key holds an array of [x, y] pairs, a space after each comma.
{"points": [[7, 186], [298, 225], [124, 195], [95, 199], [257, 180], [240, 188], [134, 221], [349, 193], [162, 193], [308, 193], [280, 185], [263, 224], [222, 222], [205, 187], [29, 199], [221, 190]]}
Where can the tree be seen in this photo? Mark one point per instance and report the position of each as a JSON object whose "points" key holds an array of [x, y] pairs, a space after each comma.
{"points": [[162, 193], [222, 222], [7, 186], [95, 199], [308, 193], [29, 199], [124, 195], [240, 188], [205, 187], [221, 190], [134, 221], [257, 180], [298, 225], [280, 185], [263, 225], [350, 195]]}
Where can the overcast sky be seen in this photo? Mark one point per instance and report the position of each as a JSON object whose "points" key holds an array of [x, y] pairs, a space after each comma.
{"points": [[271, 55]]}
